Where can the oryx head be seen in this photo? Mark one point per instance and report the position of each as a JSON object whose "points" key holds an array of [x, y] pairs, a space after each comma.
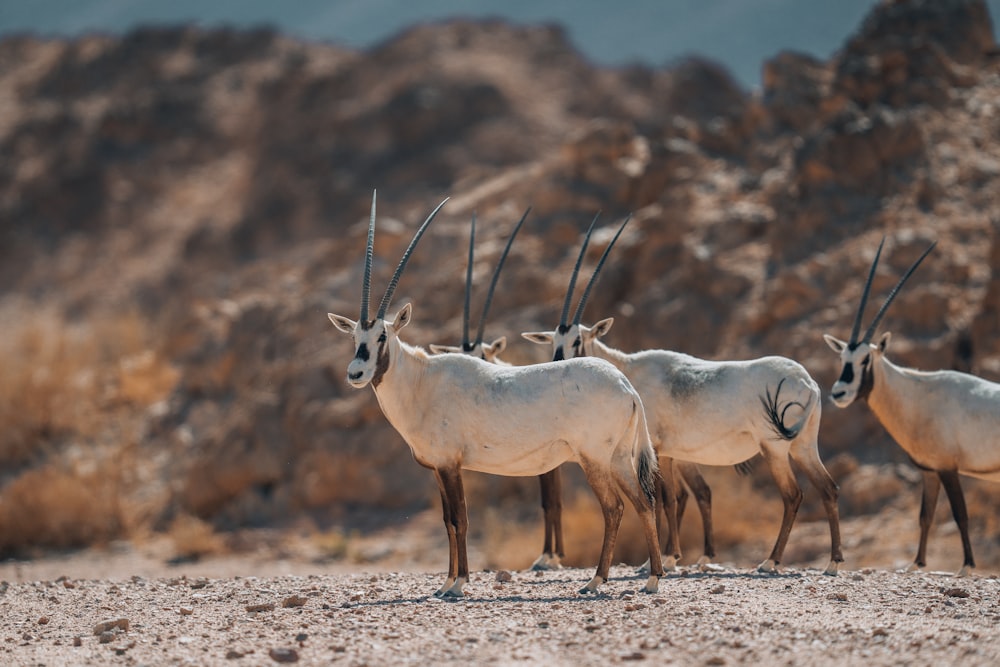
{"points": [[375, 339], [858, 357], [487, 351], [571, 340]]}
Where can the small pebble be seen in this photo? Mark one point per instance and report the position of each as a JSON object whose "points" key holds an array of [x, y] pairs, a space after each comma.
{"points": [[284, 655]]}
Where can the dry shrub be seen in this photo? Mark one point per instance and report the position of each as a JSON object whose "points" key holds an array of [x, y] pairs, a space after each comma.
{"points": [[57, 379], [69, 395], [193, 538], [54, 508]]}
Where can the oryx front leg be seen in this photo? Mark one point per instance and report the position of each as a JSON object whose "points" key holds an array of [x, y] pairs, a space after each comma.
{"points": [[552, 550], [953, 487], [791, 496], [928, 503], [672, 552], [456, 521], [703, 496]]}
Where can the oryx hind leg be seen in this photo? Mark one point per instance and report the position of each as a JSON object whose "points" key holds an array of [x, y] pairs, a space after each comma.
{"points": [[666, 507], [629, 484], [552, 549], [806, 455], [780, 466], [456, 521], [602, 482], [928, 504]]}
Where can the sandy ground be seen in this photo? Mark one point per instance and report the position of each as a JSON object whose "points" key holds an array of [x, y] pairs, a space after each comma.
{"points": [[730, 616], [281, 604]]}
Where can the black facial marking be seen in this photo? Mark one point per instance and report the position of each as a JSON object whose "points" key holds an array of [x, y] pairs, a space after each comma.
{"points": [[563, 328], [867, 379], [558, 356], [382, 361], [362, 352], [847, 375]]}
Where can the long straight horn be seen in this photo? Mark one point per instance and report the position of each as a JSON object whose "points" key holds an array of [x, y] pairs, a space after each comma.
{"points": [[366, 286], [597, 271], [496, 275], [856, 329], [576, 271], [387, 297], [468, 286], [893, 293]]}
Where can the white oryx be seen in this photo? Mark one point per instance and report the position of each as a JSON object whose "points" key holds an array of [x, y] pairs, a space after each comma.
{"points": [[550, 482], [456, 411], [716, 413], [946, 421]]}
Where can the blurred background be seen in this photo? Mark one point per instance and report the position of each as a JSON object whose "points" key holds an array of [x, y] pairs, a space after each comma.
{"points": [[183, 197]]}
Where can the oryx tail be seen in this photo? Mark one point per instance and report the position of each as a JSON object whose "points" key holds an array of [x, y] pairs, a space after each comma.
{"points": [[775, 411]]}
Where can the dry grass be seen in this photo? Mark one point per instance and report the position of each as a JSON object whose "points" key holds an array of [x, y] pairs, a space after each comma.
{"points": [[68, 397], [193, 538], [58, 508]]}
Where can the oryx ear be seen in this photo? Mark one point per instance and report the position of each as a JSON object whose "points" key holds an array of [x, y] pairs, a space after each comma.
{"points": [[402, 317], [345, 324], [883, 342], [835, 344], [444, 349], [538, 337], [602, 328], [498, 346]]}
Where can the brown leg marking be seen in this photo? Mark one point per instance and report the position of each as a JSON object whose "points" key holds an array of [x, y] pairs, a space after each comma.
{"points": [[612, 507], [703, 496], [673, 547], [629, 484], [552, 550], [953, 487], [791, 495], [457, 522], [807, 458], [928, 503]]}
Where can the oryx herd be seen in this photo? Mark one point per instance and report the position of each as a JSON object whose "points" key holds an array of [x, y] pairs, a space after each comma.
{"points": [[634, 422]]}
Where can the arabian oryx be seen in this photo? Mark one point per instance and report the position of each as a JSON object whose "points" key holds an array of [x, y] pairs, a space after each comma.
{"points": [[945, 421], [715, 413], [457, 411], [552, 549]]}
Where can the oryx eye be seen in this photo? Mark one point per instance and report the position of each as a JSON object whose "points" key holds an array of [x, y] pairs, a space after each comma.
{"points": [[868, 358], [381, 337], [576, 343]]}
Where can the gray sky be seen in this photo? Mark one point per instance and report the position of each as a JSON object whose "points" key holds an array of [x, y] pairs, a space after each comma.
{"points": [[739, 33]]}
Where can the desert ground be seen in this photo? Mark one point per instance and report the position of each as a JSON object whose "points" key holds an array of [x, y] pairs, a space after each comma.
{"points": [[126, 605]]}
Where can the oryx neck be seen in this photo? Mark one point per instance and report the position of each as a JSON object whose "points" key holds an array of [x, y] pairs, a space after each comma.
{"points": [[617, 358], [399, 366], [884, 383]]}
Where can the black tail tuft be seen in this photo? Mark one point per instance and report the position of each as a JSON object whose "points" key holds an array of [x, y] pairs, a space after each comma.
{"points": [[649, 470], [776, 417]]}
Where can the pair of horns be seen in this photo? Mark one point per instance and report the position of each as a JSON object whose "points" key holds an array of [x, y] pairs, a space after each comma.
{"points": [[593, 278], [369, 250], [892, 295], [466, 344]]}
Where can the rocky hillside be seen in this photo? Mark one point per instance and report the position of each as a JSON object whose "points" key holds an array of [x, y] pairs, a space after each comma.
{"points": [[181, 208]]}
